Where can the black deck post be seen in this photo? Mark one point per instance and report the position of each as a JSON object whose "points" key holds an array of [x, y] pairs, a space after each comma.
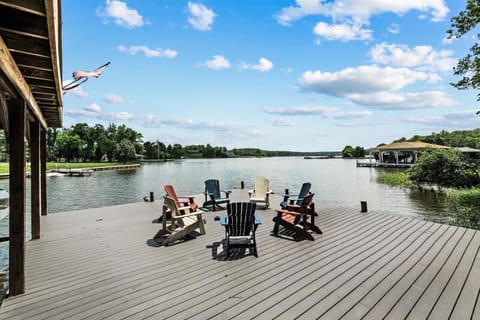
{"points": [[35, 178], [17, 183]]}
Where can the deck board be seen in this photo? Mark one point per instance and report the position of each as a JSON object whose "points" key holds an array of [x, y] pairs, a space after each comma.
{"points": [[103, 264]]}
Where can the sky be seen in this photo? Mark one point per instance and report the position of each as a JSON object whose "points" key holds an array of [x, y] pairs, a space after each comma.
{"points": [[297, 75]]}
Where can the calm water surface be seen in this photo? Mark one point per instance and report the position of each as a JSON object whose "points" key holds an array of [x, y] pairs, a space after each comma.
{"points": [[336, 182]]}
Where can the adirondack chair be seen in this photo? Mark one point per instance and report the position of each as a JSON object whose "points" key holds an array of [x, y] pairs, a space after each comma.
{"points": [[261, 192], [298, 219], [182, 201], [240, 226], [183, 222], [213, 194], [296, 198]]}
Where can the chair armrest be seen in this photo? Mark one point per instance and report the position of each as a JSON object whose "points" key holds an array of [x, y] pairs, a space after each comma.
{"points": [[288, 212], [192, 214], [227, 192]]}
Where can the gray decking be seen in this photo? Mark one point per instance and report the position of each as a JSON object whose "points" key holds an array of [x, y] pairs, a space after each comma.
{"points": [[103, 264]]}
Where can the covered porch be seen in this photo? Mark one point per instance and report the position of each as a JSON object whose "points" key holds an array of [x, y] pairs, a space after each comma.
{"points": [[30, 103]]}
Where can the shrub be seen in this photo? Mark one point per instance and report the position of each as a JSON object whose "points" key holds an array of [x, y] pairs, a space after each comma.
{"points": [[445, 167], [466, 204], [399, 179]]}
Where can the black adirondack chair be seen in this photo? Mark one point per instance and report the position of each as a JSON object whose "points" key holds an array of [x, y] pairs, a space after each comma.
{"points": [[240, 227], [213, 195]]}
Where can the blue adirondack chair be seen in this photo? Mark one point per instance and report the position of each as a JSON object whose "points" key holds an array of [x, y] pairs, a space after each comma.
{"points": [[213, 195], [296, 199]]}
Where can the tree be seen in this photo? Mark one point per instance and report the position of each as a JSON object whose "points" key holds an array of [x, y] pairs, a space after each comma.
{"points": [[446, 168], [68, 146], [125, 151], [469, 66], [347, 152]]}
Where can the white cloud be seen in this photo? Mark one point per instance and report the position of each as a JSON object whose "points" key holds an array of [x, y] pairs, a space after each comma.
{"points": [[360, 10], [394, 100], [421, 57], [121, 14], [148, 52], [114, 99], [302, 110], [394, 28], [218, 62], [449, 39], [376, 87], [343, 32], [455, 120], [93, 108], [263, 65], [282, 123], [362, 79], [201, 18], [352, 115]]}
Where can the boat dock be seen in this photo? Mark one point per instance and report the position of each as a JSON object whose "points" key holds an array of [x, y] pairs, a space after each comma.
{"points": [[363, 164], [103, 264]]}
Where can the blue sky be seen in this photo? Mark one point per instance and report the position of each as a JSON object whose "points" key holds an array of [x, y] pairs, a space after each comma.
{"points": [[304, 75]]}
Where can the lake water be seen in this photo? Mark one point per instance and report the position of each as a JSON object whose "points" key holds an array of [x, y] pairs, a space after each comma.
{"points": [[336, 182]]}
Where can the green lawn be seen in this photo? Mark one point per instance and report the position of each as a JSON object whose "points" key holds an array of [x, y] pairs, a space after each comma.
{"points": [[4, 166]]}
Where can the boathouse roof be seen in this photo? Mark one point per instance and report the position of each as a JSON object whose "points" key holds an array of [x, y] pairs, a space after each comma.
{"points": [[408, 146]]}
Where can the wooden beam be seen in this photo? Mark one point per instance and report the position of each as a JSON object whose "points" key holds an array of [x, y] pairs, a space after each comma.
{"points": [[10, 68], [54, 21], [4, 114], [33, 7], [17, 188], [23, 22], [35, 178], [43, 172]]}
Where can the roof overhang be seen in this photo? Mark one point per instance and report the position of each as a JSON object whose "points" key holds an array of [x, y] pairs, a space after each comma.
{"points": [[30, 57]]}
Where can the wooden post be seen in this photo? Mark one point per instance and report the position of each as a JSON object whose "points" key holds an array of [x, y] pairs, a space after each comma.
{"points": [[363, 206], [16, 122], [43, 172], [35, 178]]}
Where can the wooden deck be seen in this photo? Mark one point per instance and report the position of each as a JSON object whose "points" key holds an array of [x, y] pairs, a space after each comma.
{"points": [[103, 264]]}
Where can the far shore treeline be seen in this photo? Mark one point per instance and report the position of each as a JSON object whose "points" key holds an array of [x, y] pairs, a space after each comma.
{"points": [[84, 143]]}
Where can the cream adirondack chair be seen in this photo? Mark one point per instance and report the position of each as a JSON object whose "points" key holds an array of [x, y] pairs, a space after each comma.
{"points": [[261, 192], [183, 222]]}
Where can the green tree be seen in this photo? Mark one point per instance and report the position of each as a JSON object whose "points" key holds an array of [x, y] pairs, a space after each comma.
{"points": [[125, 151], [347, 152], [68, 146], [467, 67], [446, 168]]}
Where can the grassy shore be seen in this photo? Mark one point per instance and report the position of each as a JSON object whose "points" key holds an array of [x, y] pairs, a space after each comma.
{"points": [[4, 166]]}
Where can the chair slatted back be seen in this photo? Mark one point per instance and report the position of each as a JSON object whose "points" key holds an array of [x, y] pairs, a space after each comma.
{"points": [[303, 192], [171, 193], [262, 186], [306, 202], [213, 186], [241, 218]]}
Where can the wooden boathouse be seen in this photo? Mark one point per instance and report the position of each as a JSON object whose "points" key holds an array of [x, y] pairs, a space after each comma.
{"points": [[30, 103]]}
